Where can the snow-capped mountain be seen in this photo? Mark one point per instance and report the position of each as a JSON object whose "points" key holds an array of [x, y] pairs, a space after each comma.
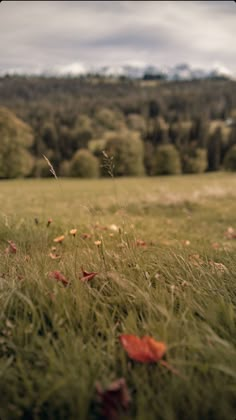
{"points": [[139, 71], [132, 71], [178, 72]]}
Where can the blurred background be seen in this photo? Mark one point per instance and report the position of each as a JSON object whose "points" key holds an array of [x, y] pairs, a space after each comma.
{"points": [[117, 88]]}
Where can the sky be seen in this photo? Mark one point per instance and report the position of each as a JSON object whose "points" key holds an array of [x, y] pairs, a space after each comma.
{"points": [[39, 35]]}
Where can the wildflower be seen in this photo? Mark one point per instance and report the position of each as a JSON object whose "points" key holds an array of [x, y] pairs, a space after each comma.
{"points": [[230, 233], [114, 228], [59, 239]]}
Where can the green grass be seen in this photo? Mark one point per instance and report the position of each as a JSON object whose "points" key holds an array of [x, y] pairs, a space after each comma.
{"points": [[56, 342]]}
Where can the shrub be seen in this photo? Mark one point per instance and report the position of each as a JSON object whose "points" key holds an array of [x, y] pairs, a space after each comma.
{"points": [[230, 159], [127, 151], [195, 162], [167, 160], [84, 165]]}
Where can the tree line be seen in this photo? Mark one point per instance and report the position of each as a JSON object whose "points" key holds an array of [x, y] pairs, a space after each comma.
{"points": [[90, 127]]}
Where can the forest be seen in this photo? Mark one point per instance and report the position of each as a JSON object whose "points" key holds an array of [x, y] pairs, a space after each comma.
{"points": [[98, 126]]}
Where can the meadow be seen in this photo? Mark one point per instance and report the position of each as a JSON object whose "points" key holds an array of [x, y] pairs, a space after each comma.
{"points": [[163, 249]]}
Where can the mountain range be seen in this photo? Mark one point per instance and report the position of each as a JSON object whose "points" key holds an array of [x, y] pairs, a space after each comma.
{"points": [[133, 71]]}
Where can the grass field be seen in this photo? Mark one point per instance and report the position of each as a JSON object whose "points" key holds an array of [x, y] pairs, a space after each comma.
{"points": [[164, 250]]}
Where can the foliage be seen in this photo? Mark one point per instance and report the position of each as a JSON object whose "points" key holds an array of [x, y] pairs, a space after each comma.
{"points": [[96, 146], [214, 150], [68, 114], [167, 160], [194, 161], [126, 148], [136, 122], [107, 118], [230, 159], [84, 165], [15, 140]]}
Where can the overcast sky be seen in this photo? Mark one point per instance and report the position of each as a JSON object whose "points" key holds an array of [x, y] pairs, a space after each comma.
{"points": [[48, 34]]}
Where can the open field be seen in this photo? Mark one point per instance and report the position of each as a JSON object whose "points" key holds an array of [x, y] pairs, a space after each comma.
{"points": [[165, 253]]}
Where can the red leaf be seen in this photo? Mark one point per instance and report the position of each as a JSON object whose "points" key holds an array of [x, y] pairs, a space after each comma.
{"points": [[114, 398], [57, 275], [87, 276], [145, 349]]}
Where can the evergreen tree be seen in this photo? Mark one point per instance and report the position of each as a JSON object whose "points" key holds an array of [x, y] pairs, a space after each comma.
{"points": [[214, 150]]}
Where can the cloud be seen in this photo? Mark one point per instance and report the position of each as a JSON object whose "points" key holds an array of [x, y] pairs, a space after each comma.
{"points": [[60, 33]]}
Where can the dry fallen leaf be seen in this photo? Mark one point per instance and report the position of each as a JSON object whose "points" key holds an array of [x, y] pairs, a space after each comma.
{"points": [[219, 267], [145, 349], [11, 249], [57, 275], [196, 260], [140, 242], [87, 276], [86, 236], [54, 256], [114, 399], [59, 239], [100, 227], [215, 245]]}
